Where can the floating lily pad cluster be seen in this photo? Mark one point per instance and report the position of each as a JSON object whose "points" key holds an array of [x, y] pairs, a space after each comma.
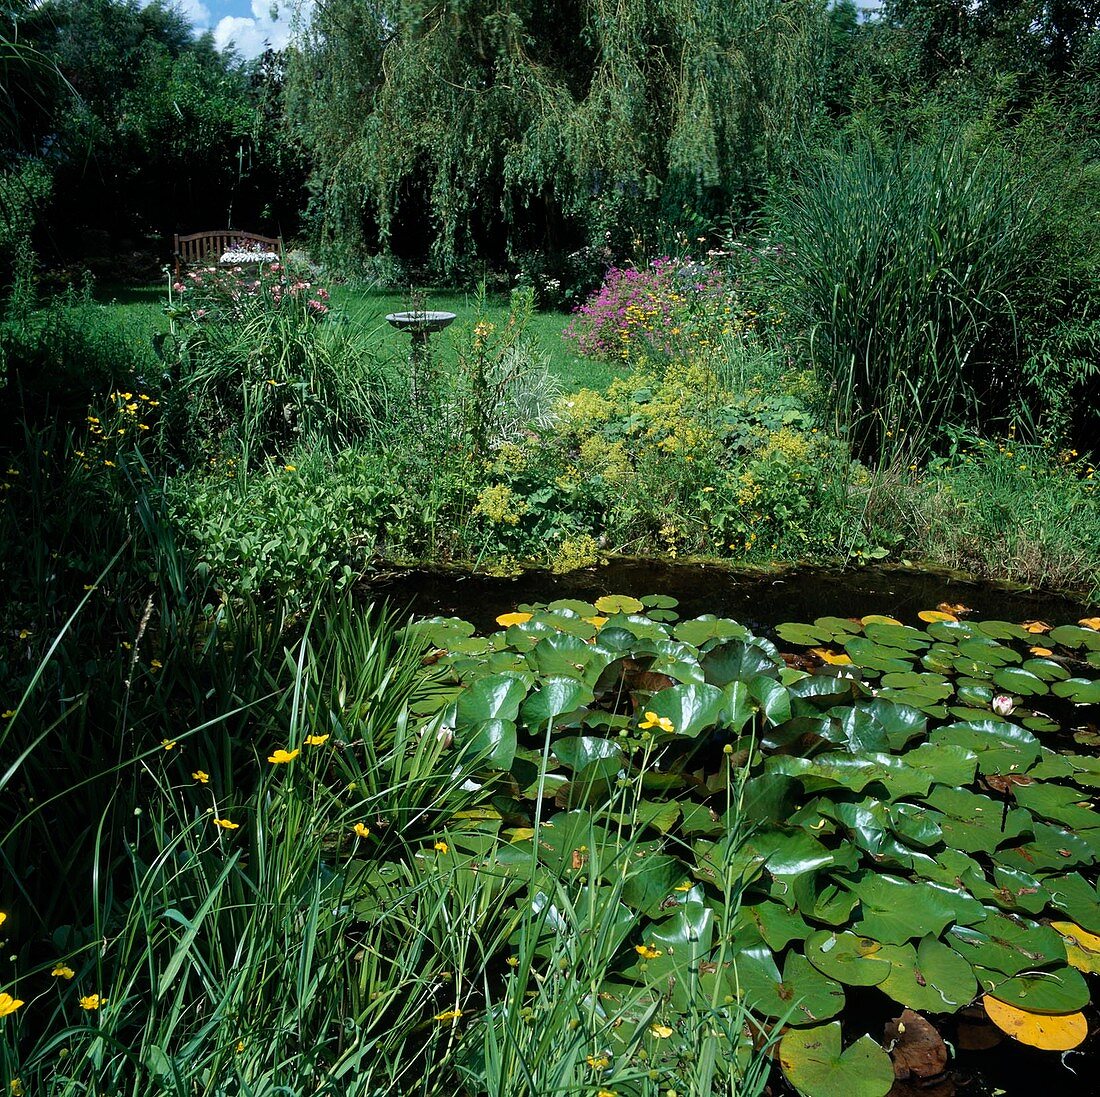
{"points": [[862, 804]]}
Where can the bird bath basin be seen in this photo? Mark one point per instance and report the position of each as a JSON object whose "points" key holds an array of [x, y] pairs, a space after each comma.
{"points": [[420, 323]]}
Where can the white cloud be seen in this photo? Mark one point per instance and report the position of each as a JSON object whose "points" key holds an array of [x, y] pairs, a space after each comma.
{"points": [[269, 25], [195, 11]]}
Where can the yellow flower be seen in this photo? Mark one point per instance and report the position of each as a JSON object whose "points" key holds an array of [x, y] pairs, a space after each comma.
{"points": [[507, 619], [201, 776], [240, 1043], [24, 633], [449, 1015], [652, 720], [290, 468], [8, 713], [442, 847], [16, 1088], [92, 1001], [361, 830], [63, 971], [168, 744], [225, 824], [315, 740], [601, 1062], [281, 757], [606, 1093], [8, 1004], [662, 1032], [155, 664], [3, 917], [648, 952]]}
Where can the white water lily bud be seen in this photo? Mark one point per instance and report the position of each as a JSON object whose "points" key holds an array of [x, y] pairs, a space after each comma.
{"points": [[1003, 705]]}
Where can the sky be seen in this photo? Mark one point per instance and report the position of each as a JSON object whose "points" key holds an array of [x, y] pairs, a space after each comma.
{"points": [[248, 25]]}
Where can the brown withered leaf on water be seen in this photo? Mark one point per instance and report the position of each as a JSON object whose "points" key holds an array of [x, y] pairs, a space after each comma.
{"points": [[975, 1032], [916, 1048], [1005, 782]]}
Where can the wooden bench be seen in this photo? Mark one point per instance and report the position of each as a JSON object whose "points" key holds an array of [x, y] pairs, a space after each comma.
{"points": [[199, 246]]}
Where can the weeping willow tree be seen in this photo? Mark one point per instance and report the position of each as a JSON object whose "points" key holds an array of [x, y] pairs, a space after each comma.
{"points": [[511, 123]]}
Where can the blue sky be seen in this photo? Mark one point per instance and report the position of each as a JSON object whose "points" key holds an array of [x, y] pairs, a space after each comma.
{"points": [[246, 24]]}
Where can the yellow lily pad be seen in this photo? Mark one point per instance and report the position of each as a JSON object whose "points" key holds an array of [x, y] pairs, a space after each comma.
{"points": [[1082, 947], [1090, 622], [508, 619], [933, 615], [831, 657], [878, 619], [1049, 1031], [618, 603]]}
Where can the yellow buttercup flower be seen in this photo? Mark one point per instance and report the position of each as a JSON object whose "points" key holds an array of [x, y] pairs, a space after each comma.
{"points": [[648, 952], [63, 971], [315, 740], [201, 776], [361, 830], [168, 744], [16, 1088], [92, 1001], [225, 824], [449, 1015], [3, 917], [281, 757], [8, 1004], [662, 1032], [7, 714], [652, 720], [442, 847]]}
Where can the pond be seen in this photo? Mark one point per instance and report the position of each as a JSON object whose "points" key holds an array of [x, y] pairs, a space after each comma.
{"points": [[985, 1063], [760, 600]]}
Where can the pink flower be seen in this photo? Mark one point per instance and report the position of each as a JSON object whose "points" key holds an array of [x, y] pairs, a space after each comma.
{"points": [[1003, 705], [179, 287], [318, 308]]}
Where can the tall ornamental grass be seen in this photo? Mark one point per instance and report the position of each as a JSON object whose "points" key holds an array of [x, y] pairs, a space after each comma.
{"points": [[911, 278]]}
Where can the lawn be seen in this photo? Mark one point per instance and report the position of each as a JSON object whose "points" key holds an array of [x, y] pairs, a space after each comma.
{"points": [[368, 308]]}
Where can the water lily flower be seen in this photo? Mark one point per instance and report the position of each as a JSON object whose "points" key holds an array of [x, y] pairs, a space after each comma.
{"points": [[1003, 705]]}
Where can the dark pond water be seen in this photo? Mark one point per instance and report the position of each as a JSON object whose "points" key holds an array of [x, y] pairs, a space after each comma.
{"points": [[761, 601]]}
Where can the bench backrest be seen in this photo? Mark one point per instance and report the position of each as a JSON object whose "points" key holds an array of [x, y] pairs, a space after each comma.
{"points": [[197, 246]]}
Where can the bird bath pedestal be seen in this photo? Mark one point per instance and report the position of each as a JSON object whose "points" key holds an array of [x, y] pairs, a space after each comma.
{"points": [[420, 325]]}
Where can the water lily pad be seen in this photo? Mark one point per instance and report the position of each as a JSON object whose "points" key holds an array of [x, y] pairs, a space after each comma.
{"points": [[974, 823], [988, 653], [815, 1065], [1075, 636], [1077, 898], [1050, 1032], [1007, 945], [557, 695], [931, 978], [1081, 691], [801, 996], [1082, 947], [1001, 747], [776, 925], [1047, 669], [1058, 803], [707, 628], [737, 661], [618, 603], [896, 636], [866, 653], [691, 708], [1003, 630], [1060, 990], [1020, 681], [1050, 849], [897, 910], [946, 763], [847, 957]]}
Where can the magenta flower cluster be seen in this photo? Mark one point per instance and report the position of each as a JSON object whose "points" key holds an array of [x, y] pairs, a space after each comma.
{"points": [[653, 308]]}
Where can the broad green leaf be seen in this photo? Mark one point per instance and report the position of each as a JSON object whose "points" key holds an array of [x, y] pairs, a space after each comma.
{"points": [[557, 695], [691, 708], [930, 978], [1059, 990], [815, 1065], [707, 628], [494, 697], [847, 957], [802, 995]]}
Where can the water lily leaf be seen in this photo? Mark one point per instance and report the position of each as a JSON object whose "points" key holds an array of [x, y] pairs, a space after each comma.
{"points": [[579, 752], [493, 742], [1077, 898], [931, 616], [1074, 636], [556, 696], [858, 729], [1018, 680], [802, 996], [1047, 669], [878, 619], [776, 925], [871, 656], [699, 819], [815, 1065], [651, 881], [736, 662], [561, 653], [618, 603], [974, 823], [897, 910], [1060, 990], [1082, 947], [951, 632], [847, 957], [574, 606], [822, 900], [795, 853], [442, 632], [988, 653], [916, 824], [867, 822], [494, 697], [804, 635], [902, 637], [659, 601], [775, 703], [1007, 945], [1051, 849], [931, 978], [977, 696], [946, 763], [1003, 630], [1017, 890], [703, 629], [737, 706], [691, 708], [1060, 804], [1081, 691], [1051, 1032], [1001, 747], [821, 687]]}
